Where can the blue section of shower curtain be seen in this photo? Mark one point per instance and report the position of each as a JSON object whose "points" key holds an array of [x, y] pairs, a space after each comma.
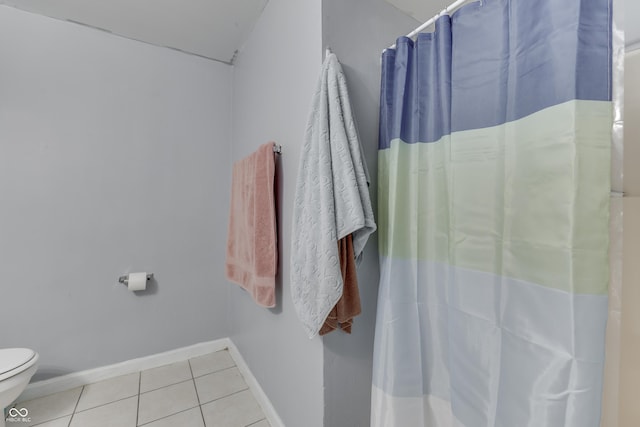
{"points": [[507, 65]]}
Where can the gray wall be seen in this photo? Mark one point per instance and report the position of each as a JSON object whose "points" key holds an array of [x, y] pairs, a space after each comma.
{"points": [[631, 19], [357, 31], [114, 157], [274, 77]]}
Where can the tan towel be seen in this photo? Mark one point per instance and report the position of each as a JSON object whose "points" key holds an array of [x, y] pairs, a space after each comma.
{"points": [[348, 305], [252, 250]]}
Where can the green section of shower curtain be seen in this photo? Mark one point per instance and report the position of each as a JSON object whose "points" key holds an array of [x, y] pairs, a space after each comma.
{"points": [[552, 230]]}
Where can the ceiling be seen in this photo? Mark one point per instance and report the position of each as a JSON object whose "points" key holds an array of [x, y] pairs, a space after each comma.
{"points": [[423, 10], [215, 29]]}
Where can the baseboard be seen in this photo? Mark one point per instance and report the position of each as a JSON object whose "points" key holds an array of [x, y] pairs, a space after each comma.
{"points": [[254, 385], [77, 379]]}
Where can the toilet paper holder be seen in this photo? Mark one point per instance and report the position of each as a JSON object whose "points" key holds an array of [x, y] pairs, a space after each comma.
{"points": [[125, 279]]}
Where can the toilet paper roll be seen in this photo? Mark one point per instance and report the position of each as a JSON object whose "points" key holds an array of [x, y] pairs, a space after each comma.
{"points": [[137, 281]]}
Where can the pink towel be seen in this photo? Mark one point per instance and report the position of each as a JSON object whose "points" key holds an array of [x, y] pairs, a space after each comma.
{"points": [[252, 250]]}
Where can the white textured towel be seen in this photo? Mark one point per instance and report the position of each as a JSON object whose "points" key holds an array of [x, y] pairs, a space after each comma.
{"points": [[331, 200]]}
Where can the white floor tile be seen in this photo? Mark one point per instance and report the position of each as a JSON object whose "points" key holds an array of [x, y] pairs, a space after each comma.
{"points": [[163, 376], [204, 391], [117, 414], [167, 401], [50, 407], [190, 418], [237, 410], [60, 422], [219, 384], [109, 391], [211, 362]]}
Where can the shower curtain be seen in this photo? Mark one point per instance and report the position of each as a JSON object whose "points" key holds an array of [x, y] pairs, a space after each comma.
{"points": [[494, 183]]}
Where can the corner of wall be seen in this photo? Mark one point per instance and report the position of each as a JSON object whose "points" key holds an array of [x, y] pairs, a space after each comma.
{"points": [[348, 359], [274, 76]]}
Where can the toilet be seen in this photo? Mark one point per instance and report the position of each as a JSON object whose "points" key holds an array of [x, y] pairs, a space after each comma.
{"points": [[17, 366]]}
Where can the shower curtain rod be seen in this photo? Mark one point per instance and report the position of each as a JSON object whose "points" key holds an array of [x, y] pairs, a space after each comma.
{"points": [[452, 7]]}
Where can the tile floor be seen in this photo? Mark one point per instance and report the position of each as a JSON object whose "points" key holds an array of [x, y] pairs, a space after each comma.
{"points": [[206, 391]]}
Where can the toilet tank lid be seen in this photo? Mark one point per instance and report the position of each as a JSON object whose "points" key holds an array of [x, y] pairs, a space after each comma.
{"points": [[12, 358]]}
